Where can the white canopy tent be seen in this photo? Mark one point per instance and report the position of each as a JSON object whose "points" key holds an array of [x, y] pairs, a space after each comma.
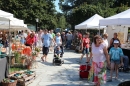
{"points": [[120, 21], [6, 19], [5, 14], [15, 24], [122, 18], [91, 23]]}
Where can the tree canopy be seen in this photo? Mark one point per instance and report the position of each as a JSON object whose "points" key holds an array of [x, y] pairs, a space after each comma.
{"points": [[29, 10], [77, 11], [74, 11]]}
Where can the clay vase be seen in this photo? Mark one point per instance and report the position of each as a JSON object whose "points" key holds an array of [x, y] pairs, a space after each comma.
{"points": [[29, 66], [34, 57], [23, 61], [12, 60], [38, 54]]}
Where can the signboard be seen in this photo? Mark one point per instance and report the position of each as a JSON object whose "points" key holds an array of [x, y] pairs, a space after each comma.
{"points": [[31, 27], [121, 37]]}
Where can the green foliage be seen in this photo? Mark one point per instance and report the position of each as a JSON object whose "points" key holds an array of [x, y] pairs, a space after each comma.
{"points": [[17, 56], [29, 10], [77, 11]]}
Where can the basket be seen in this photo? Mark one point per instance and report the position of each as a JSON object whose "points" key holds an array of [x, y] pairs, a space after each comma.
{"points": [[10, 84]]}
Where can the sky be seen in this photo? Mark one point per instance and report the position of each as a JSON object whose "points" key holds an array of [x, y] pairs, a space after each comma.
{"points": [[57, 6]]}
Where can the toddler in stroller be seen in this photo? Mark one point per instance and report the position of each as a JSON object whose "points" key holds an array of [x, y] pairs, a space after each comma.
{"points": [[58, 51]]}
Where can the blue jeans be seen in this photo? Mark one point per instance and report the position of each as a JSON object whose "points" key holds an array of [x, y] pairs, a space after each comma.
{"points": [[85, 51], [68, 43], [126, 62]]}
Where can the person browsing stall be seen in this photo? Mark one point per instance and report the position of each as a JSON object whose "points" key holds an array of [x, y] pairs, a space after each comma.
{"points": [[105, 36], [116, 54]]}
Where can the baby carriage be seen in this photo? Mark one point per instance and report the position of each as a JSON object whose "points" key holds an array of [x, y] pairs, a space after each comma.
{"points": [[58, 54]]}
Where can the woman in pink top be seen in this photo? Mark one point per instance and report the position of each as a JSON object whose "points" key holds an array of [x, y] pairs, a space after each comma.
{"points": [[100, 55]]}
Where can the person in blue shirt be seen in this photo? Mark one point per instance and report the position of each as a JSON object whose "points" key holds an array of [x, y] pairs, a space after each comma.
{"points": [[116, 57], [46, 44], [22, 40]]}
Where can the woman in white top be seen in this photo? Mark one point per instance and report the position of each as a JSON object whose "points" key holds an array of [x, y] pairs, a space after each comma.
{"points": [[105, 36], [58, 42], [100, 55], [58, 39]]}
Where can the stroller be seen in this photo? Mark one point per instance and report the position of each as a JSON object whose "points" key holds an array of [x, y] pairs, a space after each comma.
{"points": [[58, 54]]}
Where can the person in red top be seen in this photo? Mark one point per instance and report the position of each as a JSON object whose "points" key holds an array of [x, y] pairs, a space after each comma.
{"points": [[85, 44], [79, 35], [30, 40]]}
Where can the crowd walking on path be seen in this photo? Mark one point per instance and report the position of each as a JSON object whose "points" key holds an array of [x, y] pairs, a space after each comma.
{"points": [[98, 52]]}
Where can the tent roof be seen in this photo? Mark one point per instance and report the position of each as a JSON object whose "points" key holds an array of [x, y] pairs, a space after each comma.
{"points": [[4, 19], [92, 22], [122, 18], [5, 14]]}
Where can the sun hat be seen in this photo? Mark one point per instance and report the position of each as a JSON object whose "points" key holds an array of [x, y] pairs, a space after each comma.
{"points": [[116, 41]]}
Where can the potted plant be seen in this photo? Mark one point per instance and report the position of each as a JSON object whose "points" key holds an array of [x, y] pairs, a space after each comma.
{"points": [[9, 82], [13, 58], [17, 56], [37, 50], [29, 63], [23, 58], [34, 54]]}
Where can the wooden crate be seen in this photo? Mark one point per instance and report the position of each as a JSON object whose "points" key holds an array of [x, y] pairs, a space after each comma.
{"points": [[26, 81]]}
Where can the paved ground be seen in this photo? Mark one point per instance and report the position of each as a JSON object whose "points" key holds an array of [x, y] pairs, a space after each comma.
{"points": [[67, 74]]}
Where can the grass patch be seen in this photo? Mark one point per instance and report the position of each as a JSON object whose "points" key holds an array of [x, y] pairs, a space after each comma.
{"points": [[13, 69]]}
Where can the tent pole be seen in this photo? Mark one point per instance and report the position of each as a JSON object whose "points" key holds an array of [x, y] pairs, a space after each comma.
{"points": [[99, 29], [9, 46], [86, 29]]}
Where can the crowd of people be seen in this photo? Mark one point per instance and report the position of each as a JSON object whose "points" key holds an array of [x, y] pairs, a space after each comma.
{"points": [[99, 53]]}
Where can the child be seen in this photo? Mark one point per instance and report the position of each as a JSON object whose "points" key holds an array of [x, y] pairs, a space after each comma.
{"points": [[58, 51], [116, 57]]}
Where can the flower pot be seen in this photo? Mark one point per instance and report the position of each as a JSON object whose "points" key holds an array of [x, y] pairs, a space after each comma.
{"points": [[34, 57], [12, 60], [10, 83], [38, 54], [23, 61], [29, 66]]}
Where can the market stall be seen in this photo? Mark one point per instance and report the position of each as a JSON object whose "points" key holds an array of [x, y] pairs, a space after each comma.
{"points": [[91, 23], [120, 23], [9, 23]]}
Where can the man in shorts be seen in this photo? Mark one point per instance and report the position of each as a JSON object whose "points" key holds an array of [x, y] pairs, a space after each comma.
{"points": [[46, 37]]}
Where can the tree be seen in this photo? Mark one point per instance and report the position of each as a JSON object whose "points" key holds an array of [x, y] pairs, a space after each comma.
{"points": [[76, 11], [61, 21], [29, 10]]}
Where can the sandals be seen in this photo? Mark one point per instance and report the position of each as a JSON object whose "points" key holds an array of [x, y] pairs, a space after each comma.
{"points": [[42, 59]]}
